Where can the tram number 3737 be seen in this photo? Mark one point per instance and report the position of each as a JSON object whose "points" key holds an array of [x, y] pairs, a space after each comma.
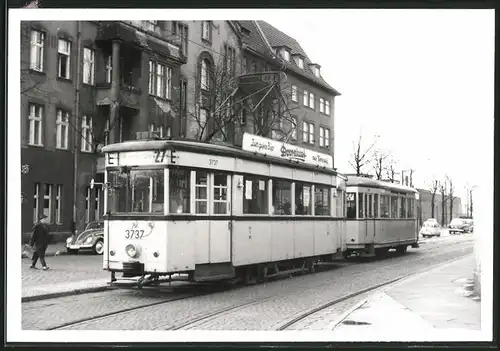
{"points": [[134, 234]]}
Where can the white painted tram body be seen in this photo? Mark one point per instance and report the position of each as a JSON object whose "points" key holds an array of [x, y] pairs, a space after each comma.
{"points": [[379, 216], [216, 212]]}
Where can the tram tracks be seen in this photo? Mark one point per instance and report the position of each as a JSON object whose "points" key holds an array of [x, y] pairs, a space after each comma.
{"points": [[235, 307]]}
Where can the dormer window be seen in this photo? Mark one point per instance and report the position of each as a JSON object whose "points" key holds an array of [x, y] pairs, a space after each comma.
{"points": [[286, 55], [300, 62], [316, 71]]}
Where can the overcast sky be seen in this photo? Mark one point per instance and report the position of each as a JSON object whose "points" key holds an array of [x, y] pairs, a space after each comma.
{"points": [[420, 79]]}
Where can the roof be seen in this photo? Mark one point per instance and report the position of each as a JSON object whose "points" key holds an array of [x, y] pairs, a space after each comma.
{"points": [[374, 183], [277, 38], [254, 39], [206, 148]]}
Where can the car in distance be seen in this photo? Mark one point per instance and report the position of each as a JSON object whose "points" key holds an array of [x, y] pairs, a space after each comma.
{"points": [[430, 228], [459, 225], [92, 238]]}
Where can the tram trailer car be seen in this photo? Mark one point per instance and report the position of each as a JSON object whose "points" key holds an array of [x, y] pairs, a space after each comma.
{"points": [[379, 216], [215, 212]]}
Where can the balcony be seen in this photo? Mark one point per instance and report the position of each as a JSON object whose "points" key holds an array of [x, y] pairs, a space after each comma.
{"points": [[129, 96]]}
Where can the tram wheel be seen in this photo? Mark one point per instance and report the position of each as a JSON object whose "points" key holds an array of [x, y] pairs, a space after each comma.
{"points": [[311, 268]]}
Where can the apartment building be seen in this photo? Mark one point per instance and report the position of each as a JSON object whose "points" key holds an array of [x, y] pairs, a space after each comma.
{"points": [[83, 85]]}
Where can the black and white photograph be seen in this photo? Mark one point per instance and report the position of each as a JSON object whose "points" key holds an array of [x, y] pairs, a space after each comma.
{"points": [[250, 175]]}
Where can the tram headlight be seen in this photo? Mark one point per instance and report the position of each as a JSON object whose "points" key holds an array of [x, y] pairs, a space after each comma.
{"points": [[132, 251]]}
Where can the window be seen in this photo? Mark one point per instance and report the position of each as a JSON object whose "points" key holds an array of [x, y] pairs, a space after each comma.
{"points": [[35, 125], [36, 50], [361, 206], [256, 190], [316, 71], [160, 80], [58, 203], [300, 62], [324, 137], [109, 69], [169, 132], [294, 128], [158, 193], [63, 57], [151, 25], [87, 204], [201, 192], [305, 132], [327, 108], [47, 202], [205, 65], [220, 193], [254, 67], [86, 134], [179, 196], [384, 206], [303, 204], [411, 210], [230, 59], [202, 120], [286, 55], [321, 105], [282, 198], [182, 31], [206, 32], [294, 93], [339, 202], [369, 199], [62, 127], [375, 205], [311, 133], [36, 201], [306, 98], [351, 205], [402, 209], [311, 100], [88, 66], [394, 207], [321, 200]]}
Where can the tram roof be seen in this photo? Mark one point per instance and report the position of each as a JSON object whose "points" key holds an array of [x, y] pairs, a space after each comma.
{"points": [[207, 148], [380, 184]]}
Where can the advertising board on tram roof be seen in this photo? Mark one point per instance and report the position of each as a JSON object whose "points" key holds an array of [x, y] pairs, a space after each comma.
{"points": [[275, 148]]}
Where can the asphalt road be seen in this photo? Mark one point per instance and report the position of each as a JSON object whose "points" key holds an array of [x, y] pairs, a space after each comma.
{"points": [[271, 303]]}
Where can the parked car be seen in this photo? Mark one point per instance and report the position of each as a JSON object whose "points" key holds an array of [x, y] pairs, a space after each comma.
{"points": [[92, 238], [430, 229], [459, 225], [470, 222]]}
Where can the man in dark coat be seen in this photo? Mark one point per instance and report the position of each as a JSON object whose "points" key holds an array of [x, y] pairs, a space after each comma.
{"points": [[40, 240]]}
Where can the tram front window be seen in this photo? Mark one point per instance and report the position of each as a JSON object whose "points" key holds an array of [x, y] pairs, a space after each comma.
{"points": [[136, 190]]}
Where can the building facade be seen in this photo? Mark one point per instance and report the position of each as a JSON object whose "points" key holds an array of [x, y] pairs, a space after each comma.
{"points": [[426, 207], [87, 84], [83, 85]]}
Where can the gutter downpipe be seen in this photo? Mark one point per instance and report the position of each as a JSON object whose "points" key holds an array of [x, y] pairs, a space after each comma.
{"points": [[77, 124]]}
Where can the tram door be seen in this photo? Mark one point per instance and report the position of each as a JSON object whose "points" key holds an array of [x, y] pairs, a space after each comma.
{"points": [[370, 221], [220, 224]]}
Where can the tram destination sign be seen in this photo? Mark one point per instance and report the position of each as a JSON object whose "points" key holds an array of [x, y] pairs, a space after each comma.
{"points": [[141, 158], [275, 148]]}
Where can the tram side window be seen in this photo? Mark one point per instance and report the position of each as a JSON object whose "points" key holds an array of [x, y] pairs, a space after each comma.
{"points": [[394, 207], [282, 197], [402, 213], [339, 201], [375, 205], [179, 183], [361, 205], [410, 207], [117, 192], [321, 200], [351, 205], [201, 192], [255, 200], [384, 206], [303, 199], [220, 200], [369, 198], [158, 202]]}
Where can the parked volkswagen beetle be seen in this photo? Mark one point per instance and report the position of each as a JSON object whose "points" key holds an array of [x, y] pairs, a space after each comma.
{"points": [[92, 238]]}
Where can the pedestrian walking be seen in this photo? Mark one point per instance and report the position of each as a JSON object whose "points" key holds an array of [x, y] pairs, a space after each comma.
{"points": [[39, 241]]}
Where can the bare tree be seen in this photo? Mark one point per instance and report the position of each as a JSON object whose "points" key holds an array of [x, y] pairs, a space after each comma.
{"points": [[380, 167], [443, 191], [221, 109], [360, 156], [451, 190], [434, 189]]}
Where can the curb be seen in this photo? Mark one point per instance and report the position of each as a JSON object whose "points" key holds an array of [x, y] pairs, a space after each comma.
{"points": [[64, 293]]}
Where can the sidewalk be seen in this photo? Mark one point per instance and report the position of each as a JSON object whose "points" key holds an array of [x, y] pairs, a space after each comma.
{"points": [[52, 250], [438, 305], [68, 275]]}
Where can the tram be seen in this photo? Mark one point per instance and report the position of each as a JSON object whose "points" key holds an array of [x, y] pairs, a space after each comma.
{"points": [[212, 212], [379, 216]]}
